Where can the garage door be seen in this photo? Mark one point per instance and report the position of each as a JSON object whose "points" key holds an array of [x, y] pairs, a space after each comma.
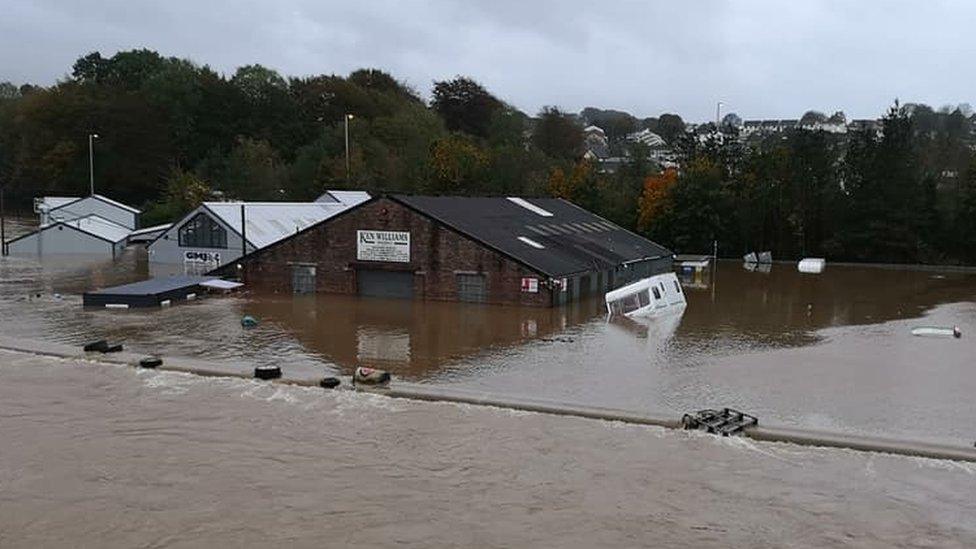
{"points": [[391, 284]]}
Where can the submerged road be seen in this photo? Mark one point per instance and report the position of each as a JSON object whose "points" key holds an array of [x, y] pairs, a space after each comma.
{"points": [[97, 455]]}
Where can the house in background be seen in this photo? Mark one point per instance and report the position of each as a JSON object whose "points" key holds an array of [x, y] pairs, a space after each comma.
{"points": [[217, 233]]}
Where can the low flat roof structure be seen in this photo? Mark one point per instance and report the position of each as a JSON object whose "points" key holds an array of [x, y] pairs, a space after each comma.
{"points": [[149, 233], [148, 293]]}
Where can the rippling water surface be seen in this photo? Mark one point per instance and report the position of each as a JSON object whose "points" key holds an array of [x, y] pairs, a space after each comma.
{"points": [[106, 456], [829, 351], [94, 455]]}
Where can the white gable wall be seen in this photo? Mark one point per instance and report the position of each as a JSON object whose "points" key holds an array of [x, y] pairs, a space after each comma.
{"points": [[62, 239], [167, 249]]}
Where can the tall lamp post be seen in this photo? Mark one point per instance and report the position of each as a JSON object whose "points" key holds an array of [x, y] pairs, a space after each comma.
{"points": [[718, 115], [347, 118], [3, 224], [91, 161]]}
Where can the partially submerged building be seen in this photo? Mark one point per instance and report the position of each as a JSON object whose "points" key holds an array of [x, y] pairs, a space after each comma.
{"points": [[539, 252], [89, 235], [217, 233], [52, 209], [92, 225]]}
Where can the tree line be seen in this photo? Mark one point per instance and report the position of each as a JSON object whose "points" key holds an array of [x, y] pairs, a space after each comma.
{"points": [[902, 193], [173, 133]]}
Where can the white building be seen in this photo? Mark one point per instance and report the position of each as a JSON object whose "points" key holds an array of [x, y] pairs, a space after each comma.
{"points": [[52, 209], [647, 138], [88, 235], [213, 234]]}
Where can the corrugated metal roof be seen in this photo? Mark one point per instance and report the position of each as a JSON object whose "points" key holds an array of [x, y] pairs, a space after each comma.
{"points": [[52, 202], [269, 222], [153, 229], [346, 197], [100, 227], [116, 203], [572, 239]]}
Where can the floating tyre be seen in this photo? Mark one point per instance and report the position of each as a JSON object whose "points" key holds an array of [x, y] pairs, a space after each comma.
{"points": [[370, 376], [96, 346], [249, 321], [151, 362], [267, 372], [113, 349], [329, 383]]}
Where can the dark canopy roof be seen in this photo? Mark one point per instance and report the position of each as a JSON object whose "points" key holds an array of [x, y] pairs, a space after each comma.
{"points": [[549, 235]]}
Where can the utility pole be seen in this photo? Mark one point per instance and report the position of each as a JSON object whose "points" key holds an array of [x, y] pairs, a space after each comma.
{"points": [[243, 232], [3, 223], [91, 161], [347, 118]]}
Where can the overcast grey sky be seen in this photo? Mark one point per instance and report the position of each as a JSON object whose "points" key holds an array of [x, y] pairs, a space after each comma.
{"points": [[761, 58]]}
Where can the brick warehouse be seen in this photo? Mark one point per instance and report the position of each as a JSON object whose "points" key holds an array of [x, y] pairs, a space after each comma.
{"points": [[536, 252]]}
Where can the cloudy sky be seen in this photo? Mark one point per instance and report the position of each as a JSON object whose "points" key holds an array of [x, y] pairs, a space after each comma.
{"points": [[761, 58]]}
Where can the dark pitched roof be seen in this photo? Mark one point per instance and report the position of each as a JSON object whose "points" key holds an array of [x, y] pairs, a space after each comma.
{"points": [[568, 240]]}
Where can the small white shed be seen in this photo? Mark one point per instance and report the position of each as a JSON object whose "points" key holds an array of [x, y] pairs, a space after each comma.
{"points": [[89, 235]]}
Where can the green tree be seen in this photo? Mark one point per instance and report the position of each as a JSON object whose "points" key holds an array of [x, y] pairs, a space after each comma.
{"points": [[465, 105], [557, 134]]}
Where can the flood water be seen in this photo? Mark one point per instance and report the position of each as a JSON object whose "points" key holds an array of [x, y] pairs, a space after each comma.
{"points": [[831, 351], [95, 455], [107, 456]]}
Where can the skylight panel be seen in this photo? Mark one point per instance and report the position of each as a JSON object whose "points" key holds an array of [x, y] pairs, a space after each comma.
{"points": [[529, 206], [530, 242]]}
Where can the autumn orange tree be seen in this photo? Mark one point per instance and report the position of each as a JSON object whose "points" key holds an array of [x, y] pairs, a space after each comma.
{"points": [[654, 197]]}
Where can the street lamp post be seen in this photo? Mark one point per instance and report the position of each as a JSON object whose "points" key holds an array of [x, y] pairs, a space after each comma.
{"points": [[718, 114], [3, 224], [91, 161], [347, 118]]}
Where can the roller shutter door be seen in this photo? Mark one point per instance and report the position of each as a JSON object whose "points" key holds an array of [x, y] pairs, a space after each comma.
{"points": [[389, 284]]}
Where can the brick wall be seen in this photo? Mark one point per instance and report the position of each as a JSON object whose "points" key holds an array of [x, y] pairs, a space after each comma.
{"points": [[437, 253]]}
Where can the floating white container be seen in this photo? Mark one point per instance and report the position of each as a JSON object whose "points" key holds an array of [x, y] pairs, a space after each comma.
{"points": [[812, 265]]}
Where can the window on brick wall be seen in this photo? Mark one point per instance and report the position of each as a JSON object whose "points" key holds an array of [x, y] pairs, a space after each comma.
{"points": [[303, 279], [472, 288]]}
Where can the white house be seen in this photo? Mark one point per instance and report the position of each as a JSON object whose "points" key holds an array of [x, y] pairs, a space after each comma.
{"points": [[648, 138], [217, 233], [62, 208], [88, 235]]}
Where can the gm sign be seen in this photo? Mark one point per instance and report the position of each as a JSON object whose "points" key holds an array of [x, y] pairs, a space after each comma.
{"points": [[201, 257]]}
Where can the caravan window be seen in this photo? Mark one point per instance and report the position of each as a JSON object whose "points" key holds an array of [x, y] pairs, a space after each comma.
{"points": [[627, 303], [657, 294], [644, 298], [677, 286], [202, 232]]}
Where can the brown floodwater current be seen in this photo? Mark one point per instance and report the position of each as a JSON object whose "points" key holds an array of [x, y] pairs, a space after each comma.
{"points": [[202, 462], [830, 351]]}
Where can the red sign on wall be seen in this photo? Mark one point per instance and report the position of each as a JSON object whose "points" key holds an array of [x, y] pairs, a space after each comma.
{"points": [[530, 285]]}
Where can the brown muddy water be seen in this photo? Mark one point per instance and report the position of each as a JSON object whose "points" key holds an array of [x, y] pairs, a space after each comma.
{"points": [[94, 455], [831, 351], [102, 456]]}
